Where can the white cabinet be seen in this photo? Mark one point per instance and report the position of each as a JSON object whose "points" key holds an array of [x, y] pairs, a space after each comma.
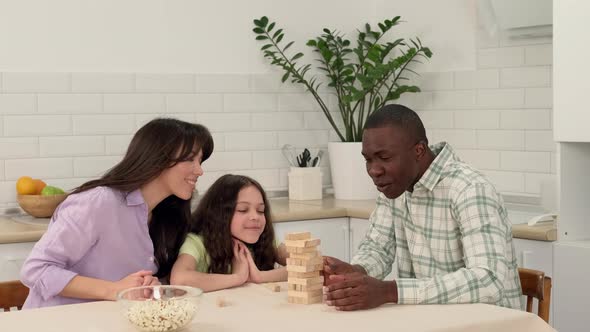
{"points": [[358, 229], [537, 255], [571, 287], [12, 257], [333, 232], [570, 71]]}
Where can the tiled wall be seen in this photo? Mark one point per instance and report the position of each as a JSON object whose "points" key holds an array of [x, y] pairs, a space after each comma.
{"points": [[498, 117], [67, 128]]}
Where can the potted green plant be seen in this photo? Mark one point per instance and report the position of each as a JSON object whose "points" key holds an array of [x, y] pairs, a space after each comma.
{"points": [[363, 77]]}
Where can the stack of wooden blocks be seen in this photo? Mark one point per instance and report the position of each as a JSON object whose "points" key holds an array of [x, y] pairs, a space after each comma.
{"points": [[304, 267]]}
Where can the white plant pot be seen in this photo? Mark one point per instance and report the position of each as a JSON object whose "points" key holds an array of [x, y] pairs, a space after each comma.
{"points": [[305, 183], [349, 173]]}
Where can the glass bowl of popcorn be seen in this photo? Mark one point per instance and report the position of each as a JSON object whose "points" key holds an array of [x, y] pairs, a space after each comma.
{"points": [[160, 308]]}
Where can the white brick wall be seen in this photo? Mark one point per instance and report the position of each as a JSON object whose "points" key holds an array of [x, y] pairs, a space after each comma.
{"points": [[67, 128]]}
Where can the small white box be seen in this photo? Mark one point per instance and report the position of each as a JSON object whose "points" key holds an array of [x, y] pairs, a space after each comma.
{"points": [[305, 183]]}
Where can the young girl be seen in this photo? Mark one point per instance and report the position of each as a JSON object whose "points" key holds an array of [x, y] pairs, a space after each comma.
{"points": [[232, 239], [117, 231]]}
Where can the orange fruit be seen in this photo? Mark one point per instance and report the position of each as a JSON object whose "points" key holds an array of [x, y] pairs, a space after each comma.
{"points": [[39, 185], [25, 186]]}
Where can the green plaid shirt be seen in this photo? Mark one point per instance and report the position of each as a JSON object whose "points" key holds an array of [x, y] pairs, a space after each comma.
{"points": [[451, 239]]}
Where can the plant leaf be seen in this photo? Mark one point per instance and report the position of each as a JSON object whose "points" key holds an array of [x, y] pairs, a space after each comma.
{"points": [[297, 56], [285, 77], [288, 45], [270, 27], [278, 32]]}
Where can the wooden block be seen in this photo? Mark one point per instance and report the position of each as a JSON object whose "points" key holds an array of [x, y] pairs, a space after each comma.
{"points": [[305, 294], [222, 302], [304, 268], [306, 255], [301, 300], [293, 274], [304, 288], [298, 250], [298, 236], [319, 280], [273, 287], [303, 243], [305, 261]]}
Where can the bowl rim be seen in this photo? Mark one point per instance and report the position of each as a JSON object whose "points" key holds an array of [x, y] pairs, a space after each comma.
{"points": [[190, 291]]}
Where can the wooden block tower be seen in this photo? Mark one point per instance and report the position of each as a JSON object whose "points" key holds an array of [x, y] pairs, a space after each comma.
{"points": [[303, 267]]}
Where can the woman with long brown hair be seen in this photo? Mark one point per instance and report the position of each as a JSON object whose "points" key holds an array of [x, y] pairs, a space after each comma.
{"points": [[125, 228], [231, 240]]}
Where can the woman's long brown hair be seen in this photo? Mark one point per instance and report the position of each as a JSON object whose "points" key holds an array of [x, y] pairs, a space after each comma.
{"points": [[158, 145], [212, 220]]}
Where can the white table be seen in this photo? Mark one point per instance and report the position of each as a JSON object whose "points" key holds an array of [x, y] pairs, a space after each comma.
{"points": [[257, 308]]}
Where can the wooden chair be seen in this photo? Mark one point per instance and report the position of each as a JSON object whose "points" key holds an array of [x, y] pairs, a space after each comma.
{"points": [[12, 294], [535, 284]]}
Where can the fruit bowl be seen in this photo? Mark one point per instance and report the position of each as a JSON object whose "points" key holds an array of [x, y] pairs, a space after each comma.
{"points": [[40, 206], [160, 308]]}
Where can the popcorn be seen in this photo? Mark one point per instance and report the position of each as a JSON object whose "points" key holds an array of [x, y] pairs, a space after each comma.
{"points": [[161, 316]]}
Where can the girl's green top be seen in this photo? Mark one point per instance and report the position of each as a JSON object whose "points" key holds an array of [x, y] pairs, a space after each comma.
{"points": [[193, 245]]}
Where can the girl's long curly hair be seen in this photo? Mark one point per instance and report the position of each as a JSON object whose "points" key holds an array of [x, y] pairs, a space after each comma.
{"points": [[212, 220]]}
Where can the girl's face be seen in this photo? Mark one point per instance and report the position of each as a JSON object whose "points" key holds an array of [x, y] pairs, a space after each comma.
{"points": [[181, 178], [248, 221]]}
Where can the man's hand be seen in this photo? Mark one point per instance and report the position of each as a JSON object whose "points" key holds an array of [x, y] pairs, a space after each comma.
{"points": [[357, 291], [334, 266]]}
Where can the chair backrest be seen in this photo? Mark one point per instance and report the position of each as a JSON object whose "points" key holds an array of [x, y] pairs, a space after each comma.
{"points": [[12, 294], [535, 284]]}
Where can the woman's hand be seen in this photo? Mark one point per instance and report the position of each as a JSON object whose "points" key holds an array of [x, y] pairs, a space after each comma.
{"points": [[255, 275], [240, 262], [133, 280]]}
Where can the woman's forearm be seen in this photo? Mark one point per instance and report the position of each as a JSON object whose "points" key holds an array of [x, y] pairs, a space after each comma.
{"points": [[90, 289]]}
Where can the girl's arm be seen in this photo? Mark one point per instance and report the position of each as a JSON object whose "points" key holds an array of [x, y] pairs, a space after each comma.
{"points": [[274, 275], [184, 272]]}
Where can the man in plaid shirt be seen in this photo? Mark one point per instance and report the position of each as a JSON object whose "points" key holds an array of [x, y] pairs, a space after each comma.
{"points": [[439, 219]]}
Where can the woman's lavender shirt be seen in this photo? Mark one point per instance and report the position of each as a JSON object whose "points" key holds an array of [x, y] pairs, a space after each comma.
{"points": [[100, 233]]}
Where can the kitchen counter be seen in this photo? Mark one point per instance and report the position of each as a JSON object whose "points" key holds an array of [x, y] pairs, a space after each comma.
{"points": [[282, 209]]}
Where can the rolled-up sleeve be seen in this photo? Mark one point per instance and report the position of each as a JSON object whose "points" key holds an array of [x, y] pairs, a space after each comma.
{"points": [[72, 232]]}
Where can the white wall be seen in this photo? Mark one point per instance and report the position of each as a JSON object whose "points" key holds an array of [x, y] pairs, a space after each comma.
{"points": [[78, 78], [197, 36]]}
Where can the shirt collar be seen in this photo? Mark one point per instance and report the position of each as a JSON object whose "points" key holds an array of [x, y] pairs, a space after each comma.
{"points": [[444, 155], [134, 198]]}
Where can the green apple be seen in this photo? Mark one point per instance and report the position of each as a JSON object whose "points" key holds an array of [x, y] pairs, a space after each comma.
{"points": [[51, 190]]}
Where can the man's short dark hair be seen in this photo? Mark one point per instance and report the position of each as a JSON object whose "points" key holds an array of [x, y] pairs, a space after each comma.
{"points": [[399, 116]]}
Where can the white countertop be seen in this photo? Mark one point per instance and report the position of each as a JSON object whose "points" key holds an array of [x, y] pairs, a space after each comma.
{"points": [[28, 229]]}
